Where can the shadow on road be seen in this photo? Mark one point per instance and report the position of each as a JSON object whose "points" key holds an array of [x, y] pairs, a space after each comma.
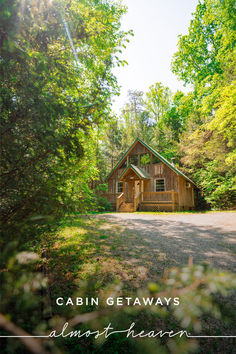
{"points": [[167, 243]]}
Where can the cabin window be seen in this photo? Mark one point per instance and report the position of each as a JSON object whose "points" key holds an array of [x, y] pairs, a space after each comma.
{"points": [[160, 185], [133, 159], [155, 159], [119, 187], [145, 159]]}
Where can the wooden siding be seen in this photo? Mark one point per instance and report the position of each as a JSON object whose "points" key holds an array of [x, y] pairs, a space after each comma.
{"points": [[163, 171], [139, 149], [186, 195], [113, 179]]}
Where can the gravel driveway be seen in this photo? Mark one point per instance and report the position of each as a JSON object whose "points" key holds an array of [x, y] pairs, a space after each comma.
{"points": [[170, 239]]}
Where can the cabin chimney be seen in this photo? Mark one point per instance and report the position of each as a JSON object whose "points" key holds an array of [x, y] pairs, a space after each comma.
{"points": [[173, 161]]}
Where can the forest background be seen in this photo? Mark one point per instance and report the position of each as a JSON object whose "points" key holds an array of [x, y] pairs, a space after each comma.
{"points": [[59, 135]]}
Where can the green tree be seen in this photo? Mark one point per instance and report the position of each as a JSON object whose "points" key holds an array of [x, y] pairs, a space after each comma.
{"points": [[56, 61], [130, 118], [158, 101], [161, 106], [56, 84], [207, 48], [135, 120], [206, 59], [113, 145]]}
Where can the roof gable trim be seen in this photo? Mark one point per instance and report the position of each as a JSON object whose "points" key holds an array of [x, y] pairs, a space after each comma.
{"points": [[122, 158], [136, 170]]}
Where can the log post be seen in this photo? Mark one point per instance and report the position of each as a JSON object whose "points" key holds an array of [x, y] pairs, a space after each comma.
{"points": [[173, 199]]}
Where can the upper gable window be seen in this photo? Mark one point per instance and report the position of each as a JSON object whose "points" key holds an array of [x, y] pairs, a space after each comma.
{"points": [[145, 159], [155, 159], [133, 159]]}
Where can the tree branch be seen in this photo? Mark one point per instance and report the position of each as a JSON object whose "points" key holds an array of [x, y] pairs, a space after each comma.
{"points": [[32, 344]]}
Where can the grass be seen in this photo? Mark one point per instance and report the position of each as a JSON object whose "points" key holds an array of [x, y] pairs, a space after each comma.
{"points": [[88, 249], [185, 212], [166, 212]]}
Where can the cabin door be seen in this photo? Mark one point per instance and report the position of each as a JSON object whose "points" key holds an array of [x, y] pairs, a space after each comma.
{"points": [[136, 188], [129, 191], [126, 191]]}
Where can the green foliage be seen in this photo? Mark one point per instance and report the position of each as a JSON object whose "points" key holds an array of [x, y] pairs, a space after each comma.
{"points": [[207, 160], [158, 100], [206, 58], [145, 159], [56, 86], [109, 147], [50, 102], [103, 204], [133, 119], [206, 49], [223, 121]]}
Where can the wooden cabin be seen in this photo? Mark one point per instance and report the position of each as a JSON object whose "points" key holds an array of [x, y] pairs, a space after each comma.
{"points": [[144, 180]]}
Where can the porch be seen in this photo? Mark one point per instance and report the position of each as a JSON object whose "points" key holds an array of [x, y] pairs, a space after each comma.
{"points": [[144, 201], [135, 193]]}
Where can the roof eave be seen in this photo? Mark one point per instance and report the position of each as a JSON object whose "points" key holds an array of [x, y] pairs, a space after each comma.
{"points": [[132, 167], [167, 162]]}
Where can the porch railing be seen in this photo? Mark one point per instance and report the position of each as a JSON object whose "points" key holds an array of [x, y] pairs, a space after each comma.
{"points": [[111, 197], [162, 197], [167, 197], [119, 200]]}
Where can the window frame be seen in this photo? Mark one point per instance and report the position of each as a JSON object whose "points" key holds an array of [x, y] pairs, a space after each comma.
{"points": [[155, 184], [117, 187]]}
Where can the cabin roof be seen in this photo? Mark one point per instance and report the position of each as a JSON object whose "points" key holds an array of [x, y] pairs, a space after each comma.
{"points": [[176, 170], [139, 172]]}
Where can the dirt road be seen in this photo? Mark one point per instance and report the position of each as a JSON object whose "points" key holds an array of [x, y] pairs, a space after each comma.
{"points": [[170, 239]]}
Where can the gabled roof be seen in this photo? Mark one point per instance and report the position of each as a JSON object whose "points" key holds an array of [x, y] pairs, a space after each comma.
{"points": [[139, 172], [155, 153]]}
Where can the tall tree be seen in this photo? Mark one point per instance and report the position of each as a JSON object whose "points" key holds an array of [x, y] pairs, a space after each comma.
{"points": [[159, 105], [206, 59], [132, 117], [207, 49], [56, 84], [158, 100]]}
